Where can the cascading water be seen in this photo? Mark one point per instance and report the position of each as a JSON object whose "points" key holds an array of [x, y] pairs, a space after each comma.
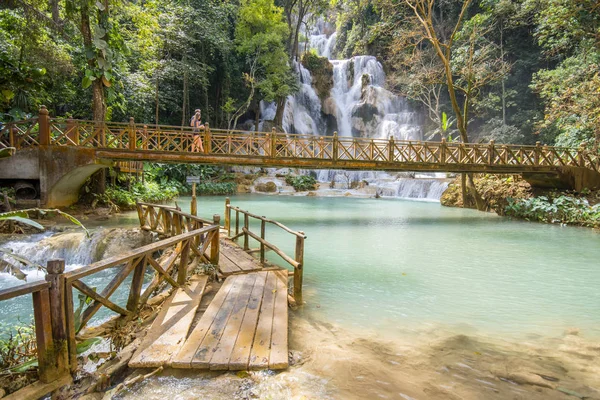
{"points": [[361, 106]]}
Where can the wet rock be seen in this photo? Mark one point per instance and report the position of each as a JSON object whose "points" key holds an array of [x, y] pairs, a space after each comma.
{"points": [[311, 194], [266, 187]]}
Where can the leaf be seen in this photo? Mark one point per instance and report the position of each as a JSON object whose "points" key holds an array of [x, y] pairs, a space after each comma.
{"points": [[106, 82], [87, 82], [444, 121], [26, 221], [87, 344], [100, 7], [25, 366], [10, 214]]}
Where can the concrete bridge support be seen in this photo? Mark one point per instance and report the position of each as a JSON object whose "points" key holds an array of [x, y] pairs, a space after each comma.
{"points": [[57, 172]]}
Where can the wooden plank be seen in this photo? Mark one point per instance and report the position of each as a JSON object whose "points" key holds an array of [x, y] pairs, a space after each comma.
{"points": [[170, 328], [39, 389], [211, 340], [185, 355], [261, 346], [226, 266], [240, 259], [43, 336], [278, 358], [243, 344], [221, 355], [136, 284], [88, 291], [20, 290]]}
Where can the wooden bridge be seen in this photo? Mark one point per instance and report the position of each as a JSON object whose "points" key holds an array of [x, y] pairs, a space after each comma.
{"points": [[574, 167], [244, 327]]}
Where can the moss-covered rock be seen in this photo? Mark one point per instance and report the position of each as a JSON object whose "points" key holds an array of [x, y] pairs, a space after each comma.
{"points": [[322, 73], [266, 187]]}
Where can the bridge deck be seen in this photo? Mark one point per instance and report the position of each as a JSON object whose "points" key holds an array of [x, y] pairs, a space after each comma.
{"points": [[244, 327], [234, 260]]}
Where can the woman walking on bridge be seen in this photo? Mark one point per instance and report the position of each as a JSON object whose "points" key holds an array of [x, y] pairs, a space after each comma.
{"points": [[197, 125]]}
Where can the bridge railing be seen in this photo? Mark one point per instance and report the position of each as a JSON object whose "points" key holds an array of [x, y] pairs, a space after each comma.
{"points": [[50, 332], [297, 262], [272, 145], [56, 318]]}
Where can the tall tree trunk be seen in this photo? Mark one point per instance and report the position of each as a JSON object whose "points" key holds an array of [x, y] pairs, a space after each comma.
{"points": [[98, 105], [54, 10], [185, 105], [503, 78], [156, 101]]}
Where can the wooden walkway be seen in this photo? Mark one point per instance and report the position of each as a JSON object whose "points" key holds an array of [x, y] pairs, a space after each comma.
{"points": [[245, 326], [234, 260]]}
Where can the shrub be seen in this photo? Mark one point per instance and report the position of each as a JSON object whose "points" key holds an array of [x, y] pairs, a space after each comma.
{"points": [[301, 182], [216, 188], [561, 209]]}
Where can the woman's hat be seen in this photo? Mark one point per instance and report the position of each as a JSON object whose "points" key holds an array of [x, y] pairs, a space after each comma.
{"points": [[197, 110]]}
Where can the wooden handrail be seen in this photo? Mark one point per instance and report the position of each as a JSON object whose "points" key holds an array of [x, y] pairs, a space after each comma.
{"points": [[23, 289], [147, 142], [121, 259], [297, 262]]}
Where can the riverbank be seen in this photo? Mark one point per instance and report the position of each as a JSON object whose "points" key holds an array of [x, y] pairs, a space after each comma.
{"points": [[330, 362], [510, 195]]}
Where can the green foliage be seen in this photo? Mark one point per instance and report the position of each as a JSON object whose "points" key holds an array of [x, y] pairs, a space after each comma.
{"points": [[563, 209], [260, 36], [216, 188], [151, 192], [301, 183], [17, 348]]}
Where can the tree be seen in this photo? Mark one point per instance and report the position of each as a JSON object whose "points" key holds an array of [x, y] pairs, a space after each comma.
{"points": [[260, 34], [569, 33]]}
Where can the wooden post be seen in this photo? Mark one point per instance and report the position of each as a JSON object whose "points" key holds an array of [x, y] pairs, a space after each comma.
{"points": [[443, 151], [580, 157], [44, 126], [299, 270], [43, 335], [132, 140], [208, 144], [237, 222], [70, 320], [262, 236], [183, 262], [228, 216], [491, 152], [55, 269], [194, 205], [136, 284], [11, 136], [214, 244], [246, 227], [335, 146], [391, 149], [537, 153], [145, 140], [273, 142], [72, 131]]}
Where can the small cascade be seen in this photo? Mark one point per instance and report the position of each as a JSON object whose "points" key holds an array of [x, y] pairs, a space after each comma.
{"points": [[403, 185], [75, 248]]}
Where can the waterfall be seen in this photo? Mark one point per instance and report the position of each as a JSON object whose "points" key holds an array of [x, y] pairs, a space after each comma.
{"points": [[360, 106], [74, 247]]}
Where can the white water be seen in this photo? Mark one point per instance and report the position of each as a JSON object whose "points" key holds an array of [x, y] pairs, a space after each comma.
{"points": [[360, 106]]}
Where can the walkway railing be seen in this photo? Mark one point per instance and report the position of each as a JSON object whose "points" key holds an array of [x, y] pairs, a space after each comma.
{"points": [[297, 262], [56, 319], [119, 140]]}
